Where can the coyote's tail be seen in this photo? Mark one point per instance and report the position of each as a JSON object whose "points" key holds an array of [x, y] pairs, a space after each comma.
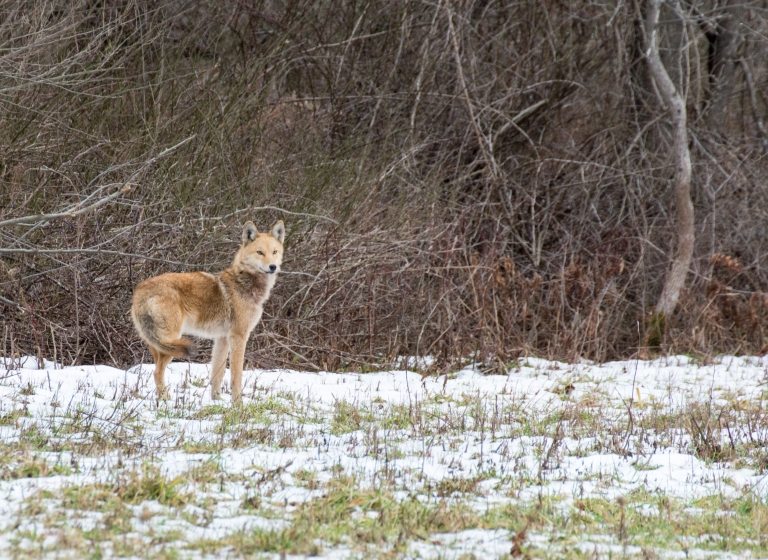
{"points": [[181, 348]]}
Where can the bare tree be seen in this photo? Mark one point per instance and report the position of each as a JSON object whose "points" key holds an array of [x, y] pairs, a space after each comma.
{"points": [[673, 99]]}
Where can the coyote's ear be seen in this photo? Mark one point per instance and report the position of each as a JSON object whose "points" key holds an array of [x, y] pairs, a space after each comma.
{"points": [[249, 232], [278, 231]]}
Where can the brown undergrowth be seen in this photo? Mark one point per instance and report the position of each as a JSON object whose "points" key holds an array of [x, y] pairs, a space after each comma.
{"points": [[480, 181]]}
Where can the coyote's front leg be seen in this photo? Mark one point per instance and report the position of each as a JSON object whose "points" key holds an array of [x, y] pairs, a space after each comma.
{"points": [[218, 364]]}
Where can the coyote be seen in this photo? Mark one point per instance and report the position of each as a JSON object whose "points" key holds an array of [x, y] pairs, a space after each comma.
{"points": [[224, 307]]}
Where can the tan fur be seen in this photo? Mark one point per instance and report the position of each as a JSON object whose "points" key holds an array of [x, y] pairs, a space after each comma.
{"points": [[224, 307]]}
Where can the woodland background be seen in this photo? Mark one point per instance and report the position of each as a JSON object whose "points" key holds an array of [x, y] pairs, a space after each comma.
{"points": [[460, 179]]}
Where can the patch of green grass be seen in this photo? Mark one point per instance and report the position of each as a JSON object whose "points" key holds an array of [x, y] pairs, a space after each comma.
{"points": [[249, 424], [135, 487], [440, 398], [207, 472], [243, 435], [34, 438], [348, 515], [394, 452], [210, 411], [148, 483], [261, 411], [450, 486], [648, 520], [642, 467], [306, 478], [76, 421], [109, 533], [260, 541], [89, 497], [210, 447], [10, 418], [533, 426], [349, 418], [29, 466], [398, 417]]}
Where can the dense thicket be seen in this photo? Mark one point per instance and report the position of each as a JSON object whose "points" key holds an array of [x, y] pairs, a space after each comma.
{"points": [[458, 179]]}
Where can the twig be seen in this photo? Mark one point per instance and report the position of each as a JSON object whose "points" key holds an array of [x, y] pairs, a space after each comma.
{"points": [[86, 251], [82, 207], [274, 208], [69, 213], [481, 139], [9, 302]]}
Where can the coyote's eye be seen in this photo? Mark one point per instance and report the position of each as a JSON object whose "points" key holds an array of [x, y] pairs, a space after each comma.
{"points": [[260, 253], [274, 252]]}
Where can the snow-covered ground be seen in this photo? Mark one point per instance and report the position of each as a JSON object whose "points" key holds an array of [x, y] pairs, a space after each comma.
{"points": [[663, 458]]}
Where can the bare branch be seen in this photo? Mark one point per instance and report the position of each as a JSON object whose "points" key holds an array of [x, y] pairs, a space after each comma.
{"points": [[68, 213], [482, 141], [83, 251], [83, 207]]}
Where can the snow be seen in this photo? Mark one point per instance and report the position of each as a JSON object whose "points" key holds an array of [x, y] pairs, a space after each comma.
{"points": [[479, 428]]}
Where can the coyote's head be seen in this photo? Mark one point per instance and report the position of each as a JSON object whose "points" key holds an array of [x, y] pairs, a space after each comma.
{"points": [[261, 252]]}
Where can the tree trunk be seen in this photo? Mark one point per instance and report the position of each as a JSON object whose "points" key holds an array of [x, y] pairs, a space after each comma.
{"points": [[676, 275]]}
